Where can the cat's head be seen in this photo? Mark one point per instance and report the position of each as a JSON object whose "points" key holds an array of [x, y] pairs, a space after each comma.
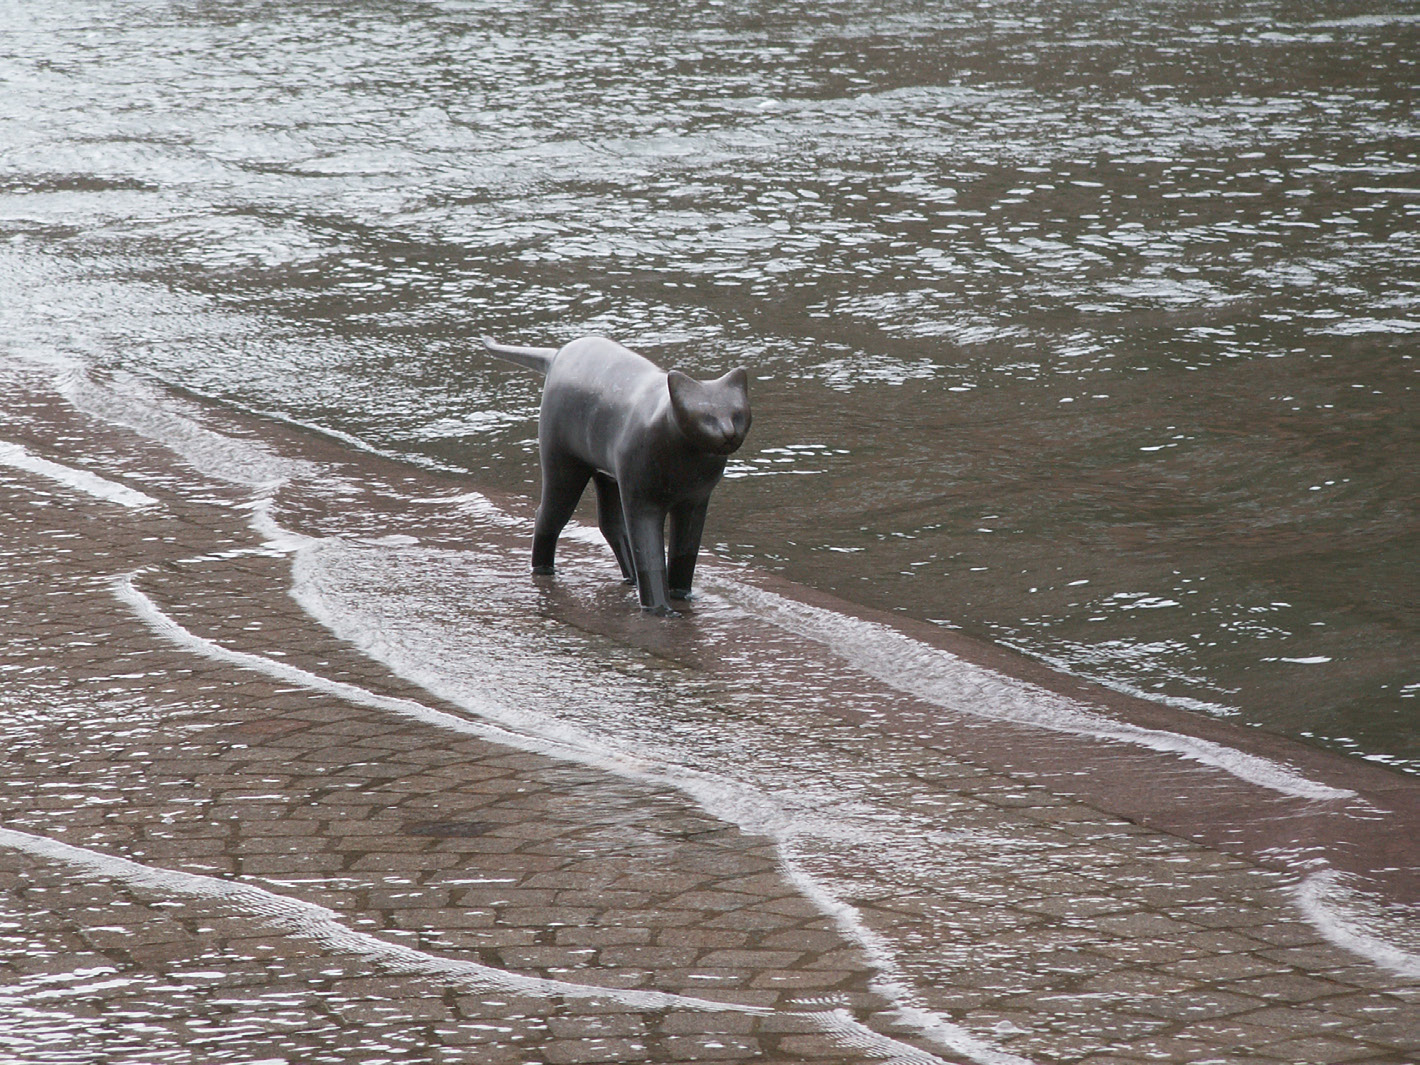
{"points": [[714, 415]]}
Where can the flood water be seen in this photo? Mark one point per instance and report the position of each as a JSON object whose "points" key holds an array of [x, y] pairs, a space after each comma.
{"points": [[1088, 329], [1085, 331]]}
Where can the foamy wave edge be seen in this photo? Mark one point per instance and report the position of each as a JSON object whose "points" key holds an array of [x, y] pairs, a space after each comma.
{"points": [[1337, 912], [943, 679], [314, 922], [18, 457]]}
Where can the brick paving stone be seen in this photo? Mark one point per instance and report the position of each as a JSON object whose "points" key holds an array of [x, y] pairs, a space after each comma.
{"points": [[803, 979], [716, 1024], [1400, 1037], [1317, 1051], [1206, 1003], [708, 1048], [576, 1052], [601, 938], [1082, 906], [1290, 1021], [1286, 987], [1226, 966]]}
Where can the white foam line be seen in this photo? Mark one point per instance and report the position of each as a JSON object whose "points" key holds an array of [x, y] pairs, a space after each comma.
{"points": [[124, 402], [314, 922], [1182, 702], [477, 505], [91, 484], [945, 680], [751, 811], [849, 1032], [276, 538], [404, 457], [890, 982], [1323, 900], [149, 613]]}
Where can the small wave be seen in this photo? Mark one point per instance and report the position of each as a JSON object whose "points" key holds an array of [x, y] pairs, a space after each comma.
{"points": [[314, 922], [130, 402], [478, 506], [18, 457], [1181, 702], [947, 681], [1350, 919], [1359, 326]]}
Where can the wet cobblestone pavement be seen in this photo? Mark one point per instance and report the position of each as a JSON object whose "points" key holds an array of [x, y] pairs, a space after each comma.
{"points": [[212, 857]]}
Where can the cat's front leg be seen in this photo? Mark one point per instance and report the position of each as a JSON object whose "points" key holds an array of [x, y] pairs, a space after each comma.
{"points": [[687, 523], [645, 531]]}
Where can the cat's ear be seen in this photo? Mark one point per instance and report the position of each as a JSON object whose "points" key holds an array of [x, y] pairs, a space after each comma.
{"points": [[683, 389], [738, 378], [681, 386]]}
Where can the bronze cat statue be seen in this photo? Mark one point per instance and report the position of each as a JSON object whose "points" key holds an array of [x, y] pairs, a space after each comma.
{"points": [[653, 442]]}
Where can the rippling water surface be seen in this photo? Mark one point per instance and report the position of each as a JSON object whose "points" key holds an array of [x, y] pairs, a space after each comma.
{"points": [[1086, 328]]}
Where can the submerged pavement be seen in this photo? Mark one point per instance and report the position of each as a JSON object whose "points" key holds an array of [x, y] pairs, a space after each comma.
{"points": [[228, 835]]}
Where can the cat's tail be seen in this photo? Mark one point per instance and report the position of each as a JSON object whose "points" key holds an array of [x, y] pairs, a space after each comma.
{"points": [[538, 359]]}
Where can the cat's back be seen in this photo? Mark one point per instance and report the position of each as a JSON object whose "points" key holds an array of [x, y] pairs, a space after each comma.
{"points": [[601, 362], [594, 377], [599, 396]]}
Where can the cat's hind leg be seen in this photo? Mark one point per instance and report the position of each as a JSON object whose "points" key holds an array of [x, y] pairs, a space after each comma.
{"points": [[613, 523], [563, 480]]}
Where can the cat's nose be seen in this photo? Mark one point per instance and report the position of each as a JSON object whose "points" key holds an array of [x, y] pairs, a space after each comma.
{"points": [[730, 439]]}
